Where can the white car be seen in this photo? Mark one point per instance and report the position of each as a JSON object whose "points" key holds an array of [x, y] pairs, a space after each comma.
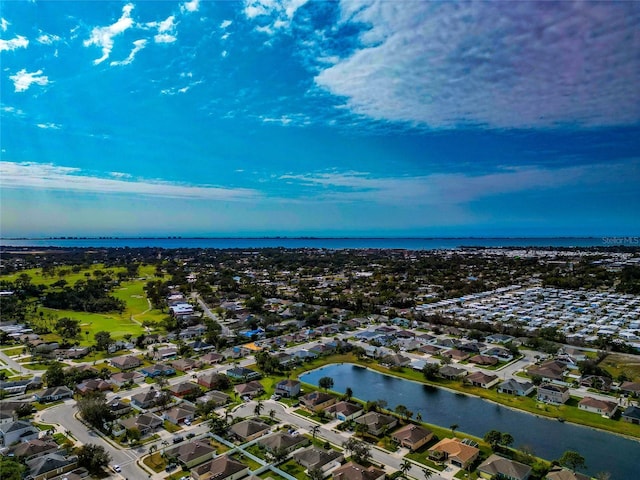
{"points": [[117, 469]]}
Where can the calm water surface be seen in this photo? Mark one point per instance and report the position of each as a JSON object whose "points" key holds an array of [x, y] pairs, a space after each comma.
{"points": [[603, 451]]}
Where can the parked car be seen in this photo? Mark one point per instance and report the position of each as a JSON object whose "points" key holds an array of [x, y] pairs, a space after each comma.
{"points": [[177, 439], [116, 468]]}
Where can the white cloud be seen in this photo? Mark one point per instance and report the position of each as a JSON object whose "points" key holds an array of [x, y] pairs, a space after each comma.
{"points": [[446, 64], [23, 80], [164, 38], [276, 14], [137, 46], [103, 36], [166, 30], [18, 42], [451, 188], [225, 24], [54, 177], [51, 126], [47, 39], [4, 24], [191, 6]]}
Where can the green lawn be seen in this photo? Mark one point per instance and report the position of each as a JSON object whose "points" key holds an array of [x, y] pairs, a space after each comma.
{"points": [[13, 351], [294, 469], [90, 323]]}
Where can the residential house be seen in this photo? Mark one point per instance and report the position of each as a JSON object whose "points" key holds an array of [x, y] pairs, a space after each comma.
{"points": [[212, 358], [344, 411], [122, 378], [318, 458], [249, 429], [118, 407], [157, 370], [395, 360], [242, 373], [595, 405], [50, 465], [193, 453], [455, 354], [597, 382], [180, 413], [183, 389], [451, 373], [412, 436], [630, 388], [377, 423], [17, 431], [500, 467], [213, 381], [93, 385], [126, 362], [34, 448], [550, 393], [283, 441], [484, 360], [355, 471], [513, 387], [219, 398], [288, 388], [146, 423], [552, 370], [453, 451], [145, 399], [185, 364], [201, 346], [316, 401], [53, 394], [481, 379], [631, 415], [220, 468], [249, 389], [561, 473]]}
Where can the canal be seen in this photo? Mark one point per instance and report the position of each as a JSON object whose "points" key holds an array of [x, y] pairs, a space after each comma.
{"points": [[604, 452]]}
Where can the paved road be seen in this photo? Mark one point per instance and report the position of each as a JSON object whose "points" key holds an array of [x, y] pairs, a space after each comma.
{"points": [[226, 331], [391, 461]]}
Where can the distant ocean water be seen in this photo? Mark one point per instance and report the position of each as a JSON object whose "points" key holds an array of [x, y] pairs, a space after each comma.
{"points": [[328, 243]]}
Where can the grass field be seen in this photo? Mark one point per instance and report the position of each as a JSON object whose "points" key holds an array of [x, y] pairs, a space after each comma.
{"points": [[619, 363], [131, 292]]}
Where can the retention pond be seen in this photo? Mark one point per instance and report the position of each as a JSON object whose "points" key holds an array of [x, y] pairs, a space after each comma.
{"points": [[603, 451]]}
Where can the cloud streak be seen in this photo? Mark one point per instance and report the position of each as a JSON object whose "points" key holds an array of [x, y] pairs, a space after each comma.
{"points": [[103, 36], [454, 188], [28, 175], [137, 46], [498, 65]]}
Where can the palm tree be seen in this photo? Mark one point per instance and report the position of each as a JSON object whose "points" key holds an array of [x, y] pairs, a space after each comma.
{"points": [[405, 466], [427, 473], [418, 417], [314, 431], [453, 428], [272, 414], [258, 408], [348, 393]]}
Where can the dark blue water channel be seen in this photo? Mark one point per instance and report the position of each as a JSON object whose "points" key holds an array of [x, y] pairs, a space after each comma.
{"points": [[603, 451]]}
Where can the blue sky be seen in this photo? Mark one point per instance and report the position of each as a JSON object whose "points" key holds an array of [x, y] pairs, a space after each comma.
{"points": [[369, 117]]}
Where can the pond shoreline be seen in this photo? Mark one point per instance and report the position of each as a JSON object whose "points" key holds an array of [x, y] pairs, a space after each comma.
{"points": [[493, 402]]}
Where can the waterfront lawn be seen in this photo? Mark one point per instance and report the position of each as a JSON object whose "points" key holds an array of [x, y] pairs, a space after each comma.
{"points": [[568, 412]]}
